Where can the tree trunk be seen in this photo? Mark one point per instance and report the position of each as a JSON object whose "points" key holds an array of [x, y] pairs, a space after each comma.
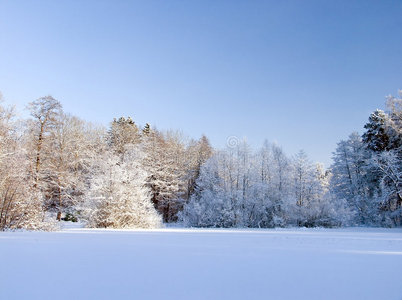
{"points": [[60, 203], [38, 150]]}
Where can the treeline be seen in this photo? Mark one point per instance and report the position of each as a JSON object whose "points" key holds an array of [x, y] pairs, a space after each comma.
{"points": [[241, 188], [55, 166]]}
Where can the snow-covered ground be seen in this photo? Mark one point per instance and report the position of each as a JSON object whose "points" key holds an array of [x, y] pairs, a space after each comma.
{"points": [[202, 264]]}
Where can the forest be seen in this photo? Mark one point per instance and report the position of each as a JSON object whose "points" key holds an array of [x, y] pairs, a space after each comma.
{"points": [[55, 166]]}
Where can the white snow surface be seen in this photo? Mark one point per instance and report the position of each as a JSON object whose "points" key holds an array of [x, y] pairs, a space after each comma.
{"points": [[173, 263]]}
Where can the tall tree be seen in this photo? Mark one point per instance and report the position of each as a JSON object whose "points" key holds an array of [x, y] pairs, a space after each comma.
{"points": [[20, 203], [352, 180], [164, 162], [376, 136], [73, 143], [197, 153], [302, 178], [45, 112]]}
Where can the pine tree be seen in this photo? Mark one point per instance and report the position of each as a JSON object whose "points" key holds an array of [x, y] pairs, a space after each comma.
{"points": [[376, 136], [147, 129]]}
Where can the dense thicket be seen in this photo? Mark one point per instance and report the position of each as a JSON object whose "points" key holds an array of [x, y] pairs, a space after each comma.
{"points": [[55, 166]]}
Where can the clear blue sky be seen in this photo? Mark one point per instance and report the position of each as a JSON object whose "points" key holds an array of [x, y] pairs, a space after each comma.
{"points": [[302, 73]]}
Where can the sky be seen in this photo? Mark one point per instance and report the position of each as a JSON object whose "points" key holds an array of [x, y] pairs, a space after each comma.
{"points": [[303, 74]]}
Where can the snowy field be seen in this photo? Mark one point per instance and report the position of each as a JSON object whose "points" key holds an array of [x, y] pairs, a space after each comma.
{"points": [[202, 264]]}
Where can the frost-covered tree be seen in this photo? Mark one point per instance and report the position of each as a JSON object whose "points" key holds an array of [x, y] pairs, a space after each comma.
{"points": [[351, 180], [45, 112], [270, 189], [20, 202], [123, 131], [21, 205], [197, 153], [282, 170], [212, 204], [393, 122], [386, 165], [304, 183], [376, 136], [164, 160], [389, 164], [313, 205], [73, 143], [118, 197]]}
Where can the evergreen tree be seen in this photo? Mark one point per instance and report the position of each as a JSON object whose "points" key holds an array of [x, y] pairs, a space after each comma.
{"points": [[376, 136], [147, 129]]}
